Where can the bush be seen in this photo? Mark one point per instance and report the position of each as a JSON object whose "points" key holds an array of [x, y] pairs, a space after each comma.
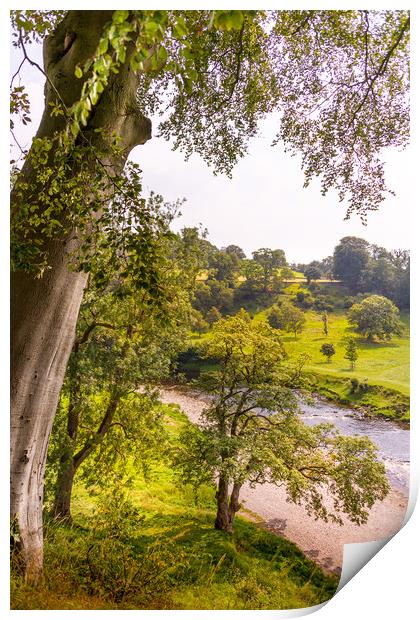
{"points": [[304, 299], [111, 561], [323, 303], [354, 386]]}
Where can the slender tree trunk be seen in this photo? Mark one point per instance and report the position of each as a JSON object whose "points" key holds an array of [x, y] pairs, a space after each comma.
{"points": [[223, 520], [62, 500], [227, 505], [234, 504], [71, 462], [66, 472], [44, 310]]}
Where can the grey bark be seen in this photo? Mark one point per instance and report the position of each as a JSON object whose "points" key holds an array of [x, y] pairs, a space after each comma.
{"points": [[227, 504], [44, 310]]}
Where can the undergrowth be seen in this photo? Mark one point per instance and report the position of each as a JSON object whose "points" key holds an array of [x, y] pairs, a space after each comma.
{"points": [[154, 546]]}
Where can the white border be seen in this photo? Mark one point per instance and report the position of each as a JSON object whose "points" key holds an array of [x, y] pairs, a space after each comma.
{"points": [[387, 587]]}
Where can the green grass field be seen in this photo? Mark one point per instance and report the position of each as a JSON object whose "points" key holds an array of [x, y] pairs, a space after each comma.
{"points": [[381, 363], [184, 562], [383, 366]]}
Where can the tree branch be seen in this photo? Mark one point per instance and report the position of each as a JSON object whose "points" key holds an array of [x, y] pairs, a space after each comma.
{"points": [[381, 69]]}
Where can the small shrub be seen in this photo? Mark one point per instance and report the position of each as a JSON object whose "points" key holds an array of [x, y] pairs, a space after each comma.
{"points": [[304, 299], [354, 386], [117, 564]]}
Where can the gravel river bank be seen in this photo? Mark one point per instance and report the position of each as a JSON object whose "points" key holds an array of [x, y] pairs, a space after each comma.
{"points": [[323, 542]]}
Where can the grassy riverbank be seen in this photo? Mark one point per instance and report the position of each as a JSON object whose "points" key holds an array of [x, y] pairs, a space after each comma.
{"points": [[160, 551], [379, 384]]}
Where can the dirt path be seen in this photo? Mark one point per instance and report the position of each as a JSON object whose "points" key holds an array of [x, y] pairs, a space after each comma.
{"points": [[322, 542]]}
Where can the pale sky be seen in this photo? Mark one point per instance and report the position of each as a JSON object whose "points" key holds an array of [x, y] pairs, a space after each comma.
{"points": [[264, 204]]}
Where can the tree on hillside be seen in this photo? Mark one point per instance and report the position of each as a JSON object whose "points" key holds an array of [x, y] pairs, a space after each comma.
{"points": [[381, 277], [327, 267], [286, 273], [270, 262], [213, 315], [105, 72], [312, 272], [198, 322], [376, 317], [102, 417], [251, 432], [234, 250], [324, 317], [123, 343], [350, 259], [287, 317], [224, 267], [351, 352], [213, 293], [328, 350]]}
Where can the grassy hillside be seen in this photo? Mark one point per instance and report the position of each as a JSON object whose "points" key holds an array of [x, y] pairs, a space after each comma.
{"points": [[383, 368], [380, 363], [162, 552]]}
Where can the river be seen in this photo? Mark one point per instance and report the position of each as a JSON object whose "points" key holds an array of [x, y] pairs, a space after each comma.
{"points": [[391, 439]]}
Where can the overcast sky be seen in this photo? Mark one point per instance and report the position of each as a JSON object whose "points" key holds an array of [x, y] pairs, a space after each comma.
{"points": [[264, 204]]}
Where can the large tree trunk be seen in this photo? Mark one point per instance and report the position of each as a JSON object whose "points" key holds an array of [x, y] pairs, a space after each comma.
{"points": [[44, 310]]}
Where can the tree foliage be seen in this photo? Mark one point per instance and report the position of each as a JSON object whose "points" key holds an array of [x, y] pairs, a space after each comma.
{"points": [[339, 79], [376, 316], [109, 414], [351, 258], [328, 350], [251, 432], [351, 352], [287, 317]]}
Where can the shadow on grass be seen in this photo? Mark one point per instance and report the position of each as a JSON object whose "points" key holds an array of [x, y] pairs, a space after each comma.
{"points": [[376, 344], [205, 545]]}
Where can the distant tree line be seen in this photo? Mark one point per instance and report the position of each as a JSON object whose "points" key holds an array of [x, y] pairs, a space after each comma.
{"points": [[230, 280], [368, 268]]}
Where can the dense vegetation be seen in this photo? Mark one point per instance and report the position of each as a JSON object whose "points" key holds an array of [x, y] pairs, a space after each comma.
{"points": [[153, 546], [323, 312]]}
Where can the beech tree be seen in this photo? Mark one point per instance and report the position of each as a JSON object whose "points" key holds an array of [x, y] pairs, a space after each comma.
{"points": [[339, 79], [251, 432]]}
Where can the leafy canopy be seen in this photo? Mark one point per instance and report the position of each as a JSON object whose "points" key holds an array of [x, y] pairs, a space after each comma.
{"points": [[376, 316], [338, 81]]}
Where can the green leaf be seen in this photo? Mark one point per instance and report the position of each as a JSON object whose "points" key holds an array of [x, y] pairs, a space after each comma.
{"points": [[163, 54], [180, 28], [151, 28], [119, 17], [103, 46], [78, 72]]}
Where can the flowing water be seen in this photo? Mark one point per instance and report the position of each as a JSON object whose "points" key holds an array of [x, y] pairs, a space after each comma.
{"points": [[392, 440]]}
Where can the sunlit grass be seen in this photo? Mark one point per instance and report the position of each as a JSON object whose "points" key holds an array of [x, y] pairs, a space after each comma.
{"points": [[381, 363]]}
